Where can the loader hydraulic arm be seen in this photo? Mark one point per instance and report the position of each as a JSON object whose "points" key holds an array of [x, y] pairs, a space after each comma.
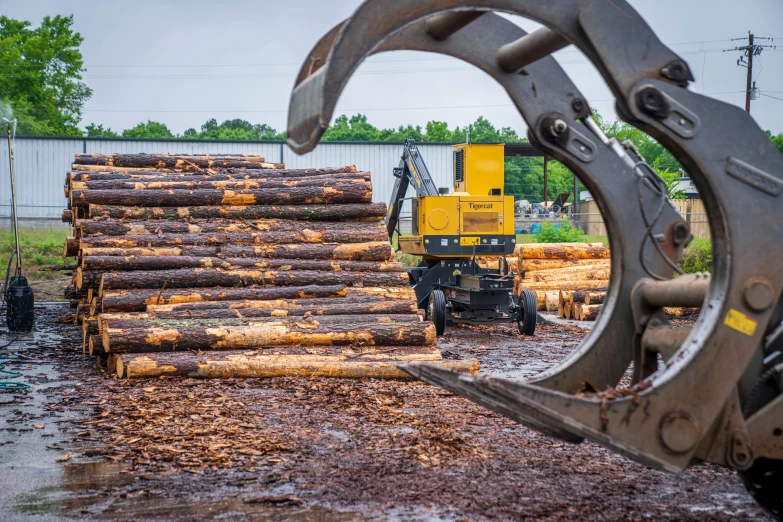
{"points": [[412, 170]]}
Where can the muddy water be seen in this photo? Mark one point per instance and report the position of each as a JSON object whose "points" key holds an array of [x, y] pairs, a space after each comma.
{"points": [[335, 450]]}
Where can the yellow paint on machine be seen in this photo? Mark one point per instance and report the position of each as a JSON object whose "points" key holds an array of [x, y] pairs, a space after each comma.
{"points": [[742, 323]]}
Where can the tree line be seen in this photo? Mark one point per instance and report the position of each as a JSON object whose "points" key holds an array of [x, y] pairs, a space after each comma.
{"points": [[41, 86]]}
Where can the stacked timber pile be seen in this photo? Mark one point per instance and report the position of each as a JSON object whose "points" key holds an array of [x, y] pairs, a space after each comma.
{"points": [[229, 266], [552, 269]]}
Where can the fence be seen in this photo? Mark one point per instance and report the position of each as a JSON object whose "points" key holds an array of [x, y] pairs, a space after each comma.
{"points": [[692, 210]]}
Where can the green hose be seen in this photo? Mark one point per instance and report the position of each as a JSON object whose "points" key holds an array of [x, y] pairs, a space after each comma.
{"points": [[10, 386]]}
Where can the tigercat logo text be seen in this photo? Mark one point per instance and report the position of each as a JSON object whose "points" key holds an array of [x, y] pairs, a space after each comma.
{"points": [[480, 206]]}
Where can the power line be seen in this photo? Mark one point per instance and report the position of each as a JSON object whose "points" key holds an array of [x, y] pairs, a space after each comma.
{"points": [[369, 60]]}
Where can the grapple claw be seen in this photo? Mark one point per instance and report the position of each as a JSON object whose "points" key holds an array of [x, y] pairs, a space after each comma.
{"points": [[481, 391], [674, 408]]}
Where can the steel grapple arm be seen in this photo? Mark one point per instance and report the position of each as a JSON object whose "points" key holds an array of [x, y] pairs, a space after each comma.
{"points": [[711, 397]]}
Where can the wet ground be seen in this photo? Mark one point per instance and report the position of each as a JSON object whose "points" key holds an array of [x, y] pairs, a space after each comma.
{"points": [[81, 445]]}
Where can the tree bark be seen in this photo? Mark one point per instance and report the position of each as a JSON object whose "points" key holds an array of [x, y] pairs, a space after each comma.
{"points": [[344, 212], [593, 298], [119, 263], [109, 175], [368, 235], [374, 251], [561, 251], [367, 305], [172, 161], [211, 277], [355, 321], [67, 216], [229, 317], [350, 192], [225, 365], [258, 181], [217, 225], [137, 300], [138, 340]]}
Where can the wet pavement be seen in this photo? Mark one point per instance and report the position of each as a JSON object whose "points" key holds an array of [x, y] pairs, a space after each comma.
{"points": [[82, 445]]}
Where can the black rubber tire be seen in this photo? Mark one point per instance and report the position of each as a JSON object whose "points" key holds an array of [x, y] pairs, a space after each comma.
{"points": [[526, 320], [764, 479], [436, 311]]}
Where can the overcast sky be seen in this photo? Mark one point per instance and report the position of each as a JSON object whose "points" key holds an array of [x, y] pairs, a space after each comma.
{"points": [[184, 61]]}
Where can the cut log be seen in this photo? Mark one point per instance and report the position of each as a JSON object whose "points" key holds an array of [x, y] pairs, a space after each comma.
{"points": [[225, 365], [95, 345], [532, 265], [193, 226], [172, 161], [71, 247], [229, 317], [561, 251], [138, 340], [67, 216], [191, 169], [594, 297], [137, 300], [372, 251], [681, 312], [206, 183], [211, 277], [86, 279], [347, 212], [589, 312], [570, 285], [564, 276], [222, 174], [357, 321], [118, 263], [290, 308], [561, 309], [551, 301], [350, 192], [365, 235]]}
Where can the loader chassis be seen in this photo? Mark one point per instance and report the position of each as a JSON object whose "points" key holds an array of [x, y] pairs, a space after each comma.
{"points": [[717, 397]]}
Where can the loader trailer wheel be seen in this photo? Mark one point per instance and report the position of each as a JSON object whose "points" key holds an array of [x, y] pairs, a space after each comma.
{"points": [[436, 311], [526, 320]]}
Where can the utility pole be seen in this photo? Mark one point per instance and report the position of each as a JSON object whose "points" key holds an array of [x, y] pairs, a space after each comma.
{"points": [[746, 60]]}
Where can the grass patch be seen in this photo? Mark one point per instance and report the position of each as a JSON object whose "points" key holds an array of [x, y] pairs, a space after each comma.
{"points": [[40, 250], [697, 256]]}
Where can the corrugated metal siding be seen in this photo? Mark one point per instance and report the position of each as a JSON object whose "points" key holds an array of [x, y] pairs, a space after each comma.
{"points": [[41, 164], [40, 167]]}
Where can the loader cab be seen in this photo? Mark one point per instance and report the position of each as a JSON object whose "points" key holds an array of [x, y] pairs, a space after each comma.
{"points": [[476, 218]]}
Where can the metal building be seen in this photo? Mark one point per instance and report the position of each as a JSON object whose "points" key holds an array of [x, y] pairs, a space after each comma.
{"points": [[41, 164]]}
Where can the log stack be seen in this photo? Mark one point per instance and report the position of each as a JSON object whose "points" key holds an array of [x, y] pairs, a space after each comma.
{"points": [[230, 266], [552, 270]]}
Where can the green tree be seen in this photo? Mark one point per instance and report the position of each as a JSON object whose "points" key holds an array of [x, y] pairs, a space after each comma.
{"points": [[672, 180], [40, 75], [776, 140], [97, 131], [151, 129]]}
